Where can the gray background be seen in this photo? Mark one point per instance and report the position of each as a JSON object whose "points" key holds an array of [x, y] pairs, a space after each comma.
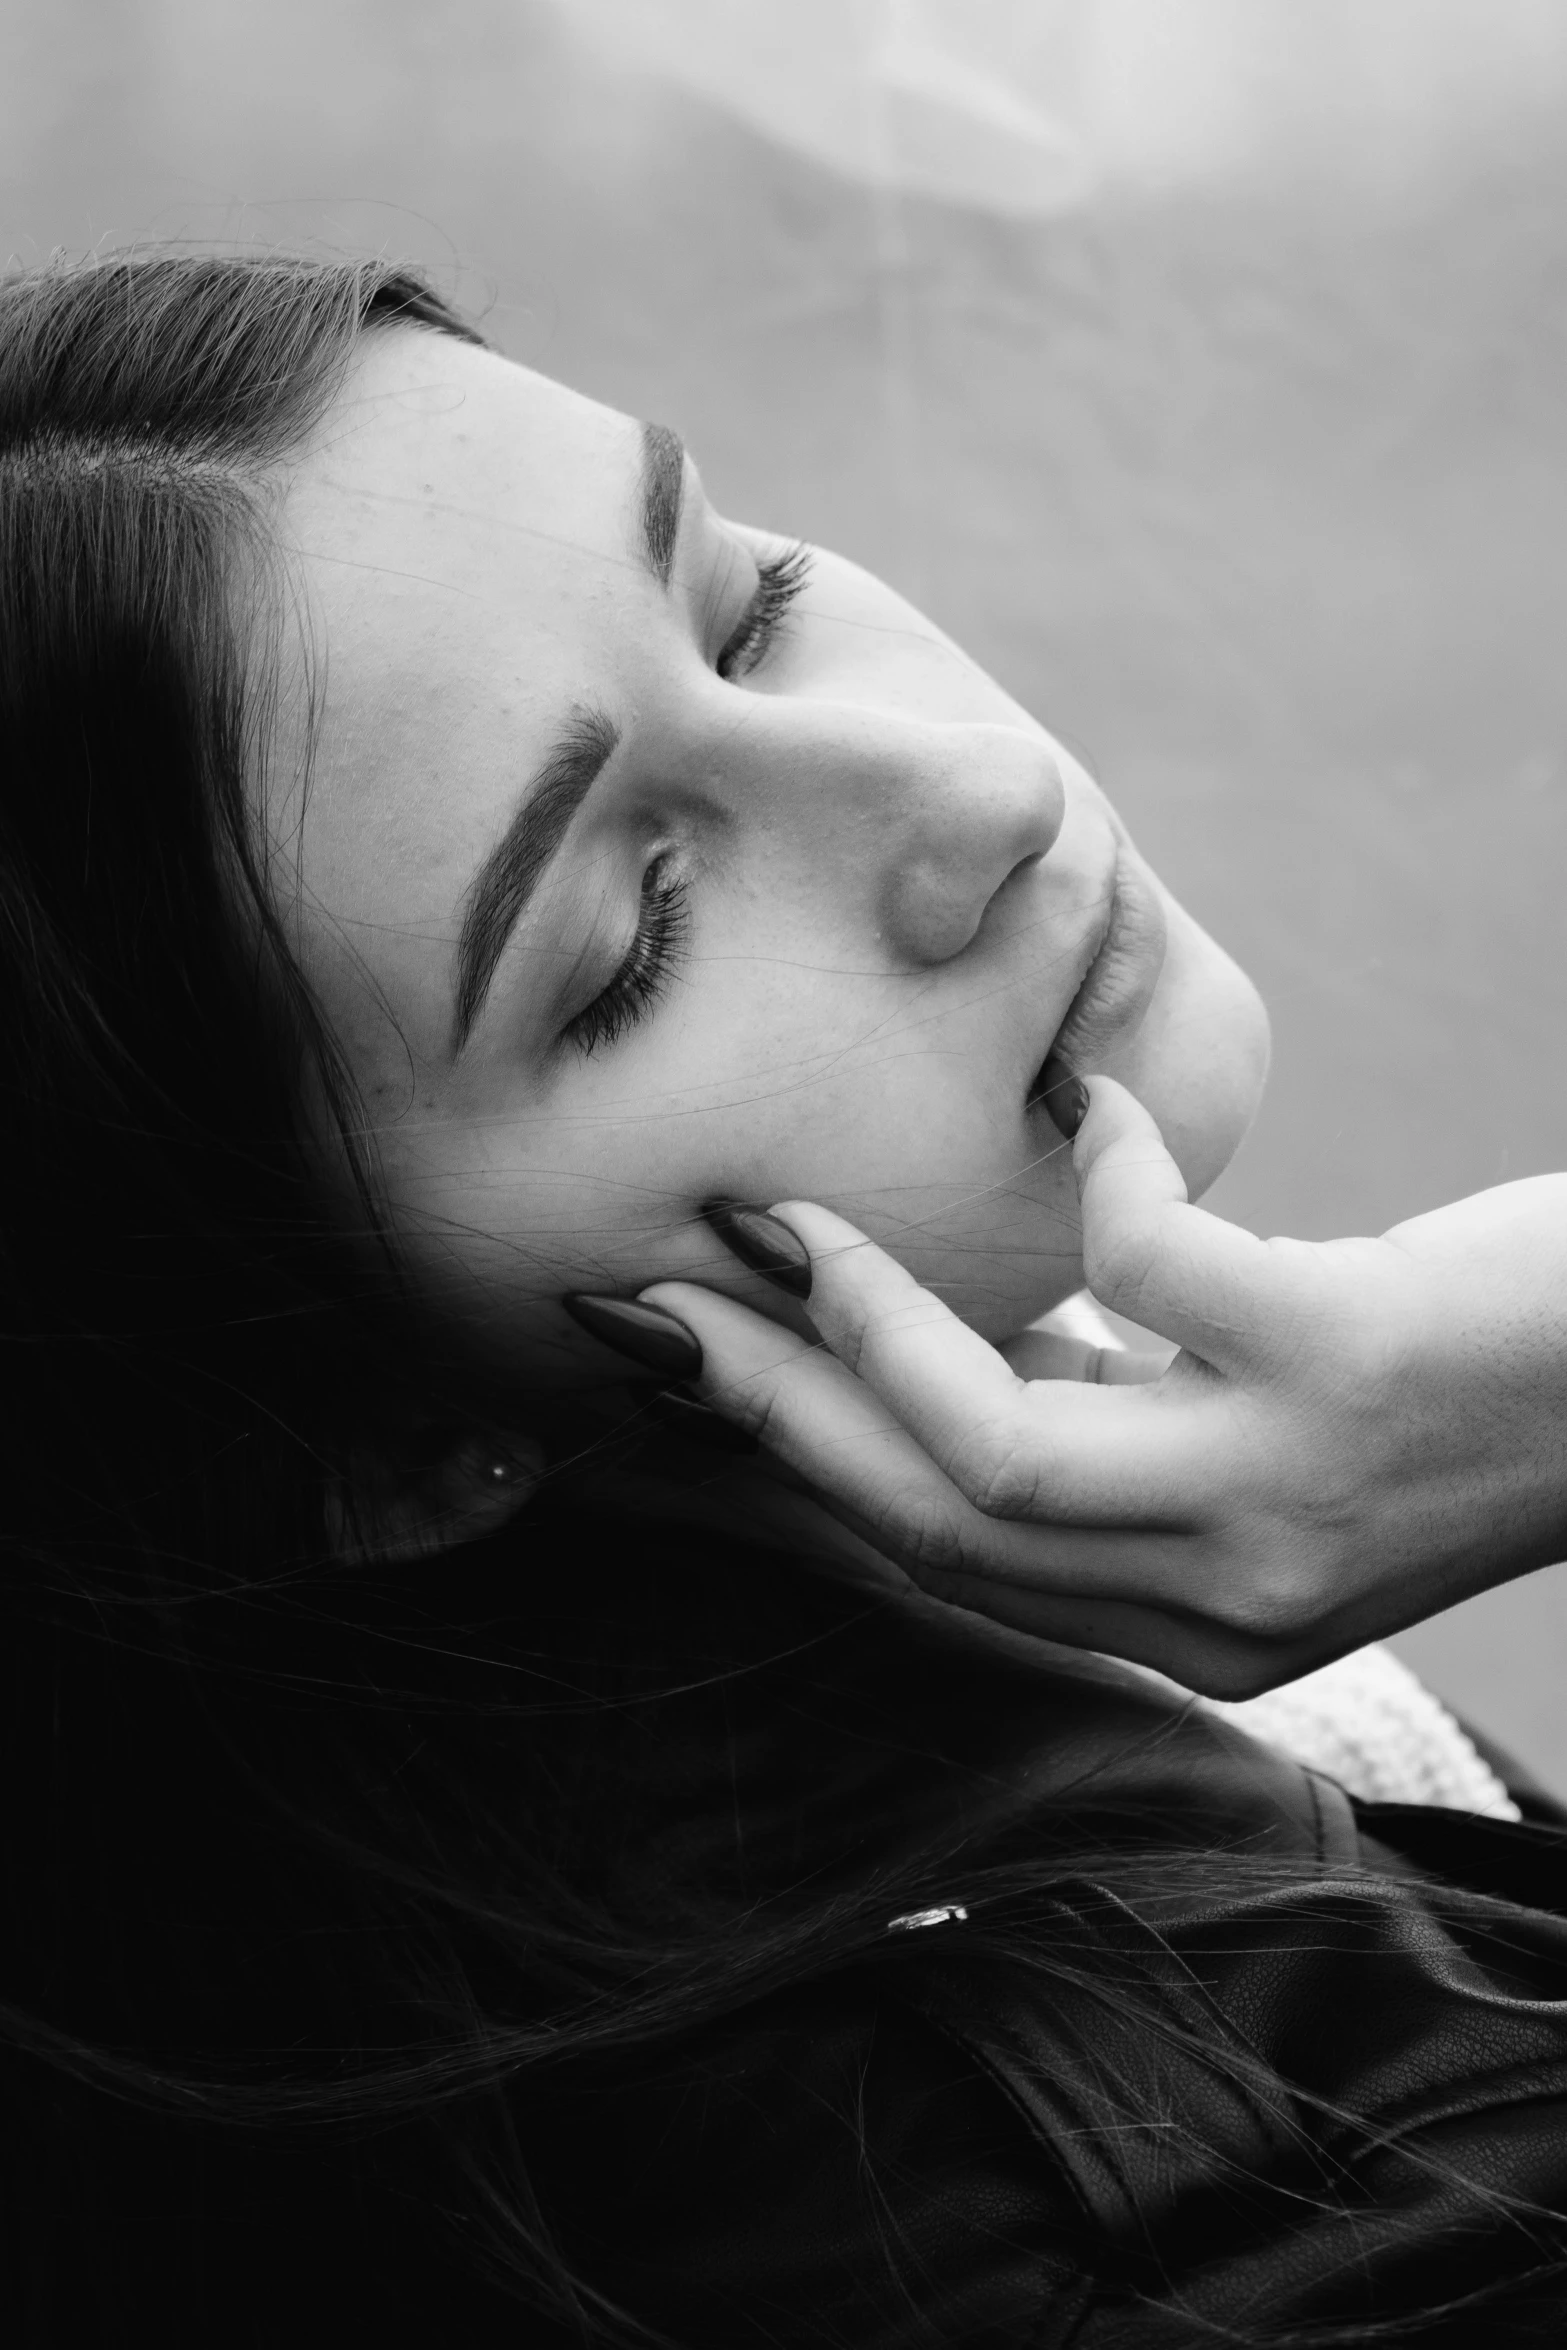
{"points": [[1199, 368]]}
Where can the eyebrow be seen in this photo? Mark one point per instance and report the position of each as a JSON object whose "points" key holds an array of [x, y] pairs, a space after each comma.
{"points": [[499, 892], [515, 866], [663, 487]]}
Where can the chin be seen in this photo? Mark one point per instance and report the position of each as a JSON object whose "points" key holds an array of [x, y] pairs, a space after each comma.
{"points": [[1222, 1100], [1202, 1078]]}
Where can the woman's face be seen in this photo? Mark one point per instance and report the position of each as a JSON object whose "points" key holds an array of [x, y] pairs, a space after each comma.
{"points": [[643, 863]]}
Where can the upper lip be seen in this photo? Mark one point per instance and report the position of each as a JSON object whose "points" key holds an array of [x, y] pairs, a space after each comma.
{"points": [[1127, 956]]}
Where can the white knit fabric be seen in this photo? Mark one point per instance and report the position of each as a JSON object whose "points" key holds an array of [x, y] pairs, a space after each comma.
{"points": [[1369, 1723]]}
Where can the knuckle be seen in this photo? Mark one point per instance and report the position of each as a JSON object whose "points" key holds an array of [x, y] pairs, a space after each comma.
{"points": [[1273, 1602], [1001, 1475], [865, 1338], [924, 1534], [1120, 1266], [757, 1406]]}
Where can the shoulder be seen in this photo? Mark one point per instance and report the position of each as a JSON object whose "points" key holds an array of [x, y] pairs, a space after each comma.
{"points": [[1194, 2116]]}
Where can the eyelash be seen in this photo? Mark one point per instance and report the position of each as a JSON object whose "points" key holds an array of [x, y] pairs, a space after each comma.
{"points": [[779, 580], [645, 973]]}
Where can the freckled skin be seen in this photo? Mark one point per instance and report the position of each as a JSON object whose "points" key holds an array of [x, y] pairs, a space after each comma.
{"points": [[894, 880]]}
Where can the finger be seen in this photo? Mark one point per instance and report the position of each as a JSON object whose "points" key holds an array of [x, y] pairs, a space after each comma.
{"points": [[1218, 1291], [1111, 1590], [1056, 1452], [1050, 1354], [1082, 1316], [834, 1430], [806, 1406]]}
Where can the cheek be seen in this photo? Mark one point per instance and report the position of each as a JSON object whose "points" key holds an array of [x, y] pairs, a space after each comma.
{"points": [[901, 1121], [502, 1214], [767, 1074]]}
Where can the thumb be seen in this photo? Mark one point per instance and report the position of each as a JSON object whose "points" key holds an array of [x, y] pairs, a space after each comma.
{"points": [[1150, 1255]]}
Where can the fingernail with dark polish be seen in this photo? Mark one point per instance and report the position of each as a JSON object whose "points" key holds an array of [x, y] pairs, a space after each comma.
{"points": [[646, 1333], [1064, 1096], [761, 1242], [694, 1423]]}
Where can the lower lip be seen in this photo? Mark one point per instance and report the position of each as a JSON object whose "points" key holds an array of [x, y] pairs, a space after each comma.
{"points": [[1118, 985]]}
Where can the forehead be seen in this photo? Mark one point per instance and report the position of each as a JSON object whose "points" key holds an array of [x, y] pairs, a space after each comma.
{"points": [[463, 532], [436, 449]]}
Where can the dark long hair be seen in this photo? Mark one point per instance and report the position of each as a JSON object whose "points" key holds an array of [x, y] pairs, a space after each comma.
{"points": [[324, 1881]]}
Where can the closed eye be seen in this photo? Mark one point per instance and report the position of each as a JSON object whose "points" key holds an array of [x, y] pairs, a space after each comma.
{"points": [[779, 581], [648, 966]]}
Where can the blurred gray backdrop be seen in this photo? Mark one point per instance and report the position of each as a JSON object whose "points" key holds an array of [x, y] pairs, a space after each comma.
{"points": [[1199, 367]]}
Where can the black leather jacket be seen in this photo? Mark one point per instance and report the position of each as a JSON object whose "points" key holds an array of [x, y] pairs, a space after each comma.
{"points": [[924, 2147]]}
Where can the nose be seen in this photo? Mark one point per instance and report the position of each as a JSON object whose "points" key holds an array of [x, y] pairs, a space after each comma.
{"points": [[911, 824], [964, 807]]}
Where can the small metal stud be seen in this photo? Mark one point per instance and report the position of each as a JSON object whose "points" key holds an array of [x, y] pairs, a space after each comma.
{"points": [[950, 1913]]}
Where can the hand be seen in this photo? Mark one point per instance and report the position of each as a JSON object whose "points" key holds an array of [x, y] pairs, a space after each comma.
{"points": [[1353, 1434]]}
